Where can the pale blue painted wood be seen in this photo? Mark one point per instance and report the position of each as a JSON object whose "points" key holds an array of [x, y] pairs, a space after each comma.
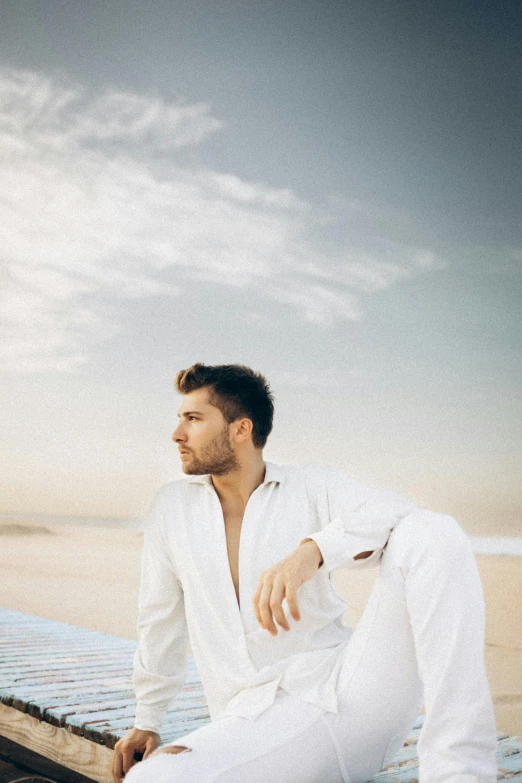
{"points": [[81, 679]]}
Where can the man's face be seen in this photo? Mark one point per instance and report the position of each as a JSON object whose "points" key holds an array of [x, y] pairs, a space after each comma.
{"points": [[202, 437]]}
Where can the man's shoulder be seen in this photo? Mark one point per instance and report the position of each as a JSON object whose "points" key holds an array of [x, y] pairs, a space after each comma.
{"points": [[172, 491], [170, 504]]}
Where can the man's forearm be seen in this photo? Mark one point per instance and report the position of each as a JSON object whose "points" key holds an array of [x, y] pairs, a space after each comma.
{"points": [[309, 542], [360, 556]]}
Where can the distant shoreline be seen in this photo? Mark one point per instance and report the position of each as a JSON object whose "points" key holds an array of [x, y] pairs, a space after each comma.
{"points": [[16, 524], [484, 545]]}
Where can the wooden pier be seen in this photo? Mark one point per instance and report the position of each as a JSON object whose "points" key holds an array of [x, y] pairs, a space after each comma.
{"points": [[66, 696]]}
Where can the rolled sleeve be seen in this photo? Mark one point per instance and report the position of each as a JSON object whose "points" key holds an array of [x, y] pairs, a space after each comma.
{"points": [[362, 519], [160, 660]]}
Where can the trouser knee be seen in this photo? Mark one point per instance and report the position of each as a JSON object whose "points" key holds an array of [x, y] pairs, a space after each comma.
{"points": [[428, 536], [423, 524], [157, 769]]}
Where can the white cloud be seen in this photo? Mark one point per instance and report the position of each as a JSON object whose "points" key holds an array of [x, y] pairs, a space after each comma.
{"points": [[57, 115], [83, 218], [237, 189], [320, 305]]}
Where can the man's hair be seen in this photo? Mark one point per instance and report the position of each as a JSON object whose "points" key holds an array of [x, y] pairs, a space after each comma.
{"points": [[237, 391]]}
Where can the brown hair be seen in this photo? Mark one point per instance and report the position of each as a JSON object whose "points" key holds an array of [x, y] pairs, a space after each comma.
{"points": [[237, 391]]}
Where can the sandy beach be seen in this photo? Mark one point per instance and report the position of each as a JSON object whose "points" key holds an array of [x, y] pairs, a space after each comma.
{"points": [[90, 577]]}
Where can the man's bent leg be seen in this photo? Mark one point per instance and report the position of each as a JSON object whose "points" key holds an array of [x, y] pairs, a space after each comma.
{"points": [[287, 742], [447, 612], [421, 637]]}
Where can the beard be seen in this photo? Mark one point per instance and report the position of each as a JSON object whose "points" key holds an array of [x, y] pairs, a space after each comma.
{"points": [[217, 457]]}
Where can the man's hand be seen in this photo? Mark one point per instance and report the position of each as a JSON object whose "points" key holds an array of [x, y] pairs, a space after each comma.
{"points": [[135, 740], [283, 580]]}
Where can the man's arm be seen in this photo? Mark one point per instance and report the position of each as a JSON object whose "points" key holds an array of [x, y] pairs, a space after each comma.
{"points": [[361, 520], [160, 660]]}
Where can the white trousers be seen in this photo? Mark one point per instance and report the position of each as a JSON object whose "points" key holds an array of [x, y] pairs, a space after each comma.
{"points": [[420, 641]]}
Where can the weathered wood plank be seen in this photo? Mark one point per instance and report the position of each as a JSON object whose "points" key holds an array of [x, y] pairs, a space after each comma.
{"points": [[68, 675], [58, 715], [28, 762], [20, 698], [404, 768], [70, 702], [110, 716], [81, 755], [28, 636], [17, 658], [54, 701]]}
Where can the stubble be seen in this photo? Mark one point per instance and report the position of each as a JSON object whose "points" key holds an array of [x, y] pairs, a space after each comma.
{"points": [[217, 458]]}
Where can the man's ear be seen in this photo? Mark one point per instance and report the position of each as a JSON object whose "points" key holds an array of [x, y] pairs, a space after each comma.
{"points": [[242, 429]]}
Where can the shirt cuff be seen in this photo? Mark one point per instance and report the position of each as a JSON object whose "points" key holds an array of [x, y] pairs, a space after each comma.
{"points": [[338, 547], [148, 718]]}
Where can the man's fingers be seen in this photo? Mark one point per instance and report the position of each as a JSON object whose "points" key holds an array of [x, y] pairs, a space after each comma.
{"points": [[136, 740], [117, 766], [273, 587], [150, 747], [291, 600], [128, 759], [276, 604], [268, 603], [255, 601], [265, 610]]}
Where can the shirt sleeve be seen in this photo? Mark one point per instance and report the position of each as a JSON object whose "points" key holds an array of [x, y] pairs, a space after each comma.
{"points": [[160, 660], [360, 520]]}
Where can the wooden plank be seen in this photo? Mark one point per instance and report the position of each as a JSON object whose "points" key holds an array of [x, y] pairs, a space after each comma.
{"points": [[20, 698], [404, 768], [14, 671], [80, 722], [17, 696], [47, 628], [76, 753], [67, 675], [27, 762], [80, 641], [91, 680], [69, 639], [67, 633], [57, 702], [93, 639], [58, 715], [176, 730], [60, 657], [112, 715]]}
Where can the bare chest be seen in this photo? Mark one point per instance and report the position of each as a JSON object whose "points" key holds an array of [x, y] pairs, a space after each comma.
{"points": [[233, 522]]}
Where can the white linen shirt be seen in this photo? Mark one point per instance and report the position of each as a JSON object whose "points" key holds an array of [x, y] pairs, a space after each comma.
{"points": [[187, 592]]}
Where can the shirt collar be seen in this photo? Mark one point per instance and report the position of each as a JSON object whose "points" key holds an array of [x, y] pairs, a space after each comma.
{"points": [[273, 472]]}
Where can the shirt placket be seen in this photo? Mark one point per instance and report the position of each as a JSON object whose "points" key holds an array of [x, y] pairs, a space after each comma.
{"points": [[234, 611]]}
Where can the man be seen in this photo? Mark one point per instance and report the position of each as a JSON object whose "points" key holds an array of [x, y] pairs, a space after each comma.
{"points": [[238, 559]]}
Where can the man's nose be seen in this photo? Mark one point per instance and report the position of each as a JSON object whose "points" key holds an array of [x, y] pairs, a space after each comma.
{"points": [[178, 434]]}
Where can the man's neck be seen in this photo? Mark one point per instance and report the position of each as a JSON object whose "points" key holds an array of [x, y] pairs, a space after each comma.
{"points": [[239, 484]]}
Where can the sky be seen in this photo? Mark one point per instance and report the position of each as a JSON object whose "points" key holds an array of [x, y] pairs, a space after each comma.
{"points": [[327, 192]]}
